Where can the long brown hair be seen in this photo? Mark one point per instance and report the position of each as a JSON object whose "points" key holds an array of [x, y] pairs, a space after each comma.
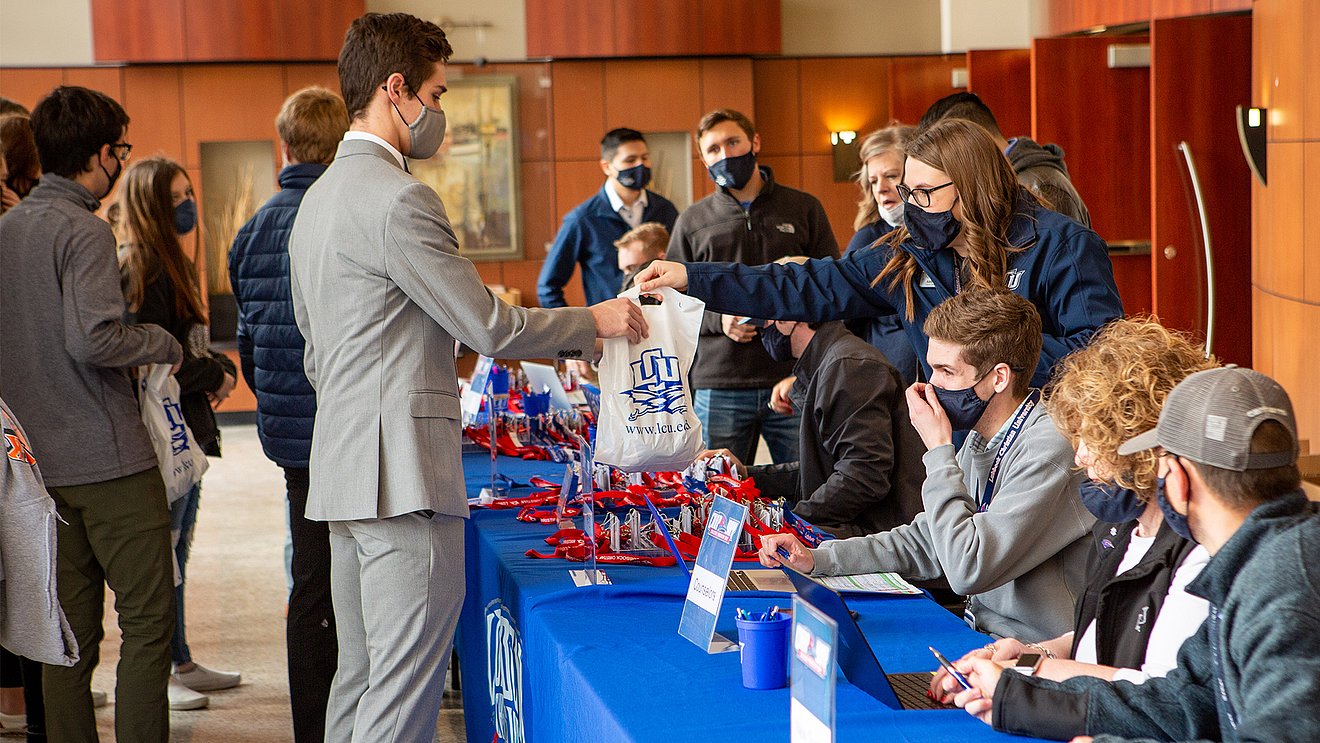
{"points": [[878, 142], [147, 217], [988, 191]]}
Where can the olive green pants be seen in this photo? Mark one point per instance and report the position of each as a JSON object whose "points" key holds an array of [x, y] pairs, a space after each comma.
{"points": [[117, 533]]}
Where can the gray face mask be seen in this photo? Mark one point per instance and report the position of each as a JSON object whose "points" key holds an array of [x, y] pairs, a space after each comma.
{"points": [[426, 132]]}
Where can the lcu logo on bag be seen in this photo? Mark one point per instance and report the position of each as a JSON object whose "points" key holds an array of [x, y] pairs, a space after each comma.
{"points": [[657, 385], [178, 431]]}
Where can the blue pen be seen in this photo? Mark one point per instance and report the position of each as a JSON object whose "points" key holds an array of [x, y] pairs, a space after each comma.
{"points": [[946, 665], [783, 553]]}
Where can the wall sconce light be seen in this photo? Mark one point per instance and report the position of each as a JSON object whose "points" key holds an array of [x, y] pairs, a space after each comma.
{"points": [[845, 146], [1251, 134]]}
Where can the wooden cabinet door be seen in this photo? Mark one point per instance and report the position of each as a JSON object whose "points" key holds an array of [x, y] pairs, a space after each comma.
{"points": [[1200, 71]]}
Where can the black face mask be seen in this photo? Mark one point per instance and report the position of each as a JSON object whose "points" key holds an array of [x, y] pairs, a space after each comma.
{"points": [[930, 230], [635, 178], [112, 178], [778, 345], [1110, 502], [1175, 520], [963, 407], [733, 172]]}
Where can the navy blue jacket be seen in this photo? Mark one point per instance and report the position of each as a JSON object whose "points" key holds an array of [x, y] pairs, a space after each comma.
{"points": [[886, 331], [586, 238], [1060, 266], [270, 347]]}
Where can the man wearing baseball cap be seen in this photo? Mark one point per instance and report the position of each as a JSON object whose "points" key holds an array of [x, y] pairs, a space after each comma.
{"points": [[1227, 442]]}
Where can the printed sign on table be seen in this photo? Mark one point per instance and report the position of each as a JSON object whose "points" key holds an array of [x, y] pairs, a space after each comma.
{"points": [[710, 575]]}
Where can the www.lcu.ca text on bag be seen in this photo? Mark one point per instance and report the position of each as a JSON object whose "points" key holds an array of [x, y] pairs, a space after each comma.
{"points": [[182, 461], [646, 419]]}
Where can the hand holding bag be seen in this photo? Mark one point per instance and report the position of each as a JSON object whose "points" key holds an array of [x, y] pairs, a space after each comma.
{"points": [[182, 461], [647, 423]]}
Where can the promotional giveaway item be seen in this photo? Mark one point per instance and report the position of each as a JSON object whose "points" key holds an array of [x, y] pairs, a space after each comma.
{"points": [[182, 461], [706, 589], [647, 423], [815, 641]]}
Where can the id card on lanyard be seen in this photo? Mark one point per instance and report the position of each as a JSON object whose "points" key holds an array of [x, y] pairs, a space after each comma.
{"points": [[1010, 436]]}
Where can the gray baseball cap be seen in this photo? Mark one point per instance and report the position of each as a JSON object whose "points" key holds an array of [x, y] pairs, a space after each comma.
{"points": [[1211, 415]]}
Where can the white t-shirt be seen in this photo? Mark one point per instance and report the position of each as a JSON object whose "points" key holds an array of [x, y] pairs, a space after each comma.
{"points": [[1137, 549]]}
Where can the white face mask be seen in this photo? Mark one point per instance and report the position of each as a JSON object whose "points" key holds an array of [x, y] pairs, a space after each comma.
{"points": [[894, 217]]}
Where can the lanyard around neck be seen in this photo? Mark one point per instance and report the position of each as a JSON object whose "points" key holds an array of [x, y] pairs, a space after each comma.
{"points": [[1010, 436]]}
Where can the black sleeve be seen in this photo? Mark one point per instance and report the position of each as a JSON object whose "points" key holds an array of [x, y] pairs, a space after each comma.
{"points": [[776, 480]]}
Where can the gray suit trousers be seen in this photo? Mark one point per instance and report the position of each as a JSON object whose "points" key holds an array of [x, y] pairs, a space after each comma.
{"points": [[398, 586]]}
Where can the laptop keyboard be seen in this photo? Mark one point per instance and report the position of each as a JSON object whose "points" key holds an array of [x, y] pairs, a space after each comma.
{"points": [[738, 581], [911, 688]]}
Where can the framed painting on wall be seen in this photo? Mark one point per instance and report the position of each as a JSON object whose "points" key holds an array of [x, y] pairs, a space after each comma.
{"points": [[476, 170]]}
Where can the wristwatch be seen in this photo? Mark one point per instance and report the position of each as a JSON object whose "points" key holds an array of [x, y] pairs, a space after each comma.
{"points": [[1028, 664]]}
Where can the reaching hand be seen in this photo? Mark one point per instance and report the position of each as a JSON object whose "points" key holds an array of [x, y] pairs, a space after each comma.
{"points": [[779, 401], [983, 674], [662, 273], [738, 333], [738, 466], [799, 557], [620, 318], [928, 416]]}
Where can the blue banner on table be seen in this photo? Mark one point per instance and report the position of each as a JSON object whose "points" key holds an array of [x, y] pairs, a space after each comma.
{"points": [[811, 668], [711, 574]]}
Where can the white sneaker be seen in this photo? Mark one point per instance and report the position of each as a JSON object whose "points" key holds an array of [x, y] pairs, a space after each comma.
{"points": [[15, 724], [181, 697], [99, 699], [201, 678]]}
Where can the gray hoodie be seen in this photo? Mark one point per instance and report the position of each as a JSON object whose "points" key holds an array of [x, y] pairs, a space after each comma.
{"points": [[1022, 561], [1042, 171]]}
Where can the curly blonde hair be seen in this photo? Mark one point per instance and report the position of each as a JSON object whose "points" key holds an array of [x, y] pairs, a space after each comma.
{"points": [[1114, 388]]}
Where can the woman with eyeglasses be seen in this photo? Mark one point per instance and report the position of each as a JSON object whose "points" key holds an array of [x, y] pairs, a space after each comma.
{"points": [[966, 223], [157, 213]]}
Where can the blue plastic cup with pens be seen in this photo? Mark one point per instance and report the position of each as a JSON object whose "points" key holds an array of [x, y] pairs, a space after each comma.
{"points": [[764, 639]]}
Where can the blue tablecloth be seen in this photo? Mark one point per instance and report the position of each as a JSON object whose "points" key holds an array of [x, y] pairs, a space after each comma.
{"points": [[553, 662]]}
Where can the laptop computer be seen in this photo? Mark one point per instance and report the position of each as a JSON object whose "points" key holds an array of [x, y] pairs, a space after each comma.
{"points": [[858, 661]]}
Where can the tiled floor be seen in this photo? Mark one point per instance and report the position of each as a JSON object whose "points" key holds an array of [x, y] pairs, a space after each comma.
{"points": [[235, 606]]}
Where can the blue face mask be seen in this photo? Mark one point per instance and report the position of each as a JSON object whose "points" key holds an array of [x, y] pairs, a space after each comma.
{"points": [[635, 178], [1175, 520], [778, 345], [733, 172], [930, 230], [963, 407], [1110, 502], [185, 217]]}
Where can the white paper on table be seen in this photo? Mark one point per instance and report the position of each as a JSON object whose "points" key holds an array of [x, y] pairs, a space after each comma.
{"points": [[890, 583]]}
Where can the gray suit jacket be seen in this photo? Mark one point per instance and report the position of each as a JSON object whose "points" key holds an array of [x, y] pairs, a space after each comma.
{"points": [[380, 293]]}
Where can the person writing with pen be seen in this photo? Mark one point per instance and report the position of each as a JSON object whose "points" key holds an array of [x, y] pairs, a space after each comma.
{"points": [[1002, 521]]}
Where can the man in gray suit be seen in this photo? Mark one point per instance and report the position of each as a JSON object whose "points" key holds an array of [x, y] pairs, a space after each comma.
{"points": [[381, 293]]}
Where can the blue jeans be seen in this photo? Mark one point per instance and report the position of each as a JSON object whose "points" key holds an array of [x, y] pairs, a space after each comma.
{"points": [[183, 516], [732, 419]]}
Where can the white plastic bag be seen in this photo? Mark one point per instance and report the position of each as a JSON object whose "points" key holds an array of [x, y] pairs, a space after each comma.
{"points": [[182, 461], [647, 423]]}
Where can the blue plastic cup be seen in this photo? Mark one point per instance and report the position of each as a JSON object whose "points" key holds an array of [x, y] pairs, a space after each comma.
{"points": [[764, 650]]}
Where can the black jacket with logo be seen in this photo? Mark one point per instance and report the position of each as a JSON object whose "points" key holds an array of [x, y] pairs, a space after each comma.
{"points": [[859, 470], [1124, 606], [782, 221]]}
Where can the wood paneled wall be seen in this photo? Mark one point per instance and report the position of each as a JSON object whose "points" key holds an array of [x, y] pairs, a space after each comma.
{"points": [[1075, 16], [1286, 213], [568, 29], [220, 30]]}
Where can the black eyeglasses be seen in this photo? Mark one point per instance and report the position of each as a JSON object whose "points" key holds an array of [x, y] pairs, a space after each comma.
{"points": [[127, 150], [919, 196]]}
